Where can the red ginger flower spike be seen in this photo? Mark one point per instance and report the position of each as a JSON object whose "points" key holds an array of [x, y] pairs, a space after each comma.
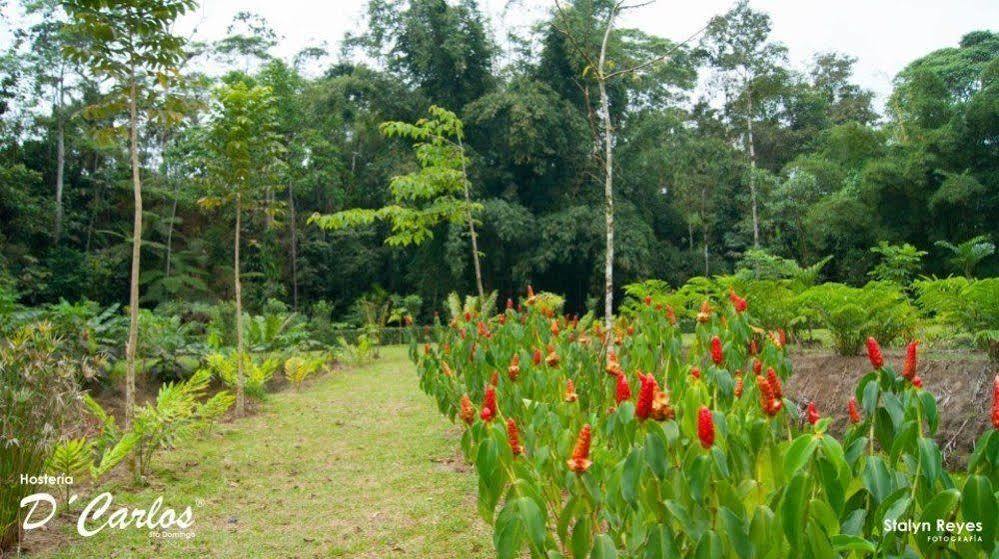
{"points": [[705, 314], [716, 351], [570, 391], [774, 381], [813, 413], [738, 387], [757, 366], [554, 327], [513, 437], [995, 403], [468, 316], [580, 461], [661, 410], [705, 427], [738, 302], [753, 348], [917, 381], [513, 371], [695, 372], [643, 408], [782, 337], [909, 367], [854, 412], [489, 412], [552, 358], [770, 405], [671, 315], [874, 354], [623, 390], [648, 300], [494, 379], [536, 358], [467, 412]]}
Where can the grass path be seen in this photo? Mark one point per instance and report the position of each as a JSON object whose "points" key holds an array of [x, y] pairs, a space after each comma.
{"points": [[358, 464]]}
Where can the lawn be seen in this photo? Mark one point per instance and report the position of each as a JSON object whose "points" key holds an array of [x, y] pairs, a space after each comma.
{"points": [[358, 464]]}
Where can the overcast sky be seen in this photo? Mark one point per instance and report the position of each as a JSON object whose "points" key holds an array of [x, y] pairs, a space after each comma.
{"points": [[884, 35]]}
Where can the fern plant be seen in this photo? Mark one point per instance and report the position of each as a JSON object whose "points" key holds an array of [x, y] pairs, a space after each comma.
{"points": [[298, 368], [257, 373], [71, 458], [177, 413], [483, 306]]}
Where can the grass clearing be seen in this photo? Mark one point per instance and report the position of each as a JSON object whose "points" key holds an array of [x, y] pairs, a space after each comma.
{"points": [[358, 464]]}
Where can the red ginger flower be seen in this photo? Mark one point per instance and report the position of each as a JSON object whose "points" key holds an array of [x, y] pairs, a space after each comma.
{"points": [[782, 337], [738, 386], [671, 315], [482, 330], [917, 381], [757, 366], [570, 391], [623, 390], [552, 358], [467, 412], [874, 354], [995, 403], [695, 372], [494, 379], [661, 410], [513, 437], [771, 405], [909, 367], [613, 366], [489, 404], [705, 314], [554, 327], [716, 351], [705, 427], [468, 316], [536, 358], [738, 302], [513, 371], [580, 461], [753, 348], [854, 412], [812, 414], [643, 408], [774, 381], [648, 300]]}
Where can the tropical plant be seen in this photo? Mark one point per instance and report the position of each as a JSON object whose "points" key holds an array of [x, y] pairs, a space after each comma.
{"points": [[971, 306], [298, 368], [852, 314], [966, 256], [256, 372], [706, 456], [899, 263]]}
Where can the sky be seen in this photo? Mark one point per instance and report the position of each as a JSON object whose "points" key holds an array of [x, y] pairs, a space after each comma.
{"points": [[884, 35]]}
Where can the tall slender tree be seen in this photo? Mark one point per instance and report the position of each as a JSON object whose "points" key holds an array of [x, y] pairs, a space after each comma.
{"points": [[242, 164], [130, 43]]}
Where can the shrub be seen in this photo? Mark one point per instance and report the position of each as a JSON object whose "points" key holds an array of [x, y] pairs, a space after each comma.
{"points": [[257, 372], [852, 314], [702, 458], [298, 368], [971, 306]]}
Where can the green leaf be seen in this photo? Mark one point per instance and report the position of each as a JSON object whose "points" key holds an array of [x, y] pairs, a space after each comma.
{"points": [[941, 507], [798, 454], [978, 504], [792, 509], [603, 548]]}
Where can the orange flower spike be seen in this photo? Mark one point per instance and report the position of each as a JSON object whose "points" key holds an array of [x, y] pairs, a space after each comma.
{"points": [[494, 379], [757, 366], [851, 408], [489, 411], [671, 315], [995, 403], [812, 414], [570, 391], [695, 372], [753, 348], [554, 327], [716, 351], [661, 410], [513, 437], [467, 412], [623, 390], [874, 354], [782, 337], [909, 367], [552, 358], [648, 300], [580, 461], [738, 302], [774, 381], [513, 371], [705, 427], [705, 314], [536, 358], [917, 381], [646, 392]]}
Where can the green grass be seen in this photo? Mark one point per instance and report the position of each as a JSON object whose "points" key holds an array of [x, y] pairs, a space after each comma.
{"points": [[358, 464]]}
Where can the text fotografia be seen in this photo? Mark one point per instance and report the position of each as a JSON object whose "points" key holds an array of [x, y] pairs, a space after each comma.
{"points": [[46, 480], [945, 531], [165, 523]]}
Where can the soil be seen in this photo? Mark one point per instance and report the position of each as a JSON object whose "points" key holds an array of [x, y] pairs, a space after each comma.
{"points": [[961, 382]]}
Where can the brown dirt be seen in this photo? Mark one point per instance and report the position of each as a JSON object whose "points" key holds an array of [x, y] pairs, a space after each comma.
{"points": [[961, 382]]}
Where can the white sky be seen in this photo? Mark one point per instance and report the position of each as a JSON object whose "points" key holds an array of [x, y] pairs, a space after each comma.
{"points": [[884, 35]]}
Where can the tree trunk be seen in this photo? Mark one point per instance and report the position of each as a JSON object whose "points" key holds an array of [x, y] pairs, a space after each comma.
{"points": [[608, 185], [707, 270], [294, 248], [173, 218], [752, 172], [133, 298], [690, 236], [471, 228], [60, 159], [240, 395]]}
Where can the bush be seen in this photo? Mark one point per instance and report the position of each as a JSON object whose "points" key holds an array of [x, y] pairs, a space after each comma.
{"points": [[970, 306], [257, 371], [852, 314]]}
